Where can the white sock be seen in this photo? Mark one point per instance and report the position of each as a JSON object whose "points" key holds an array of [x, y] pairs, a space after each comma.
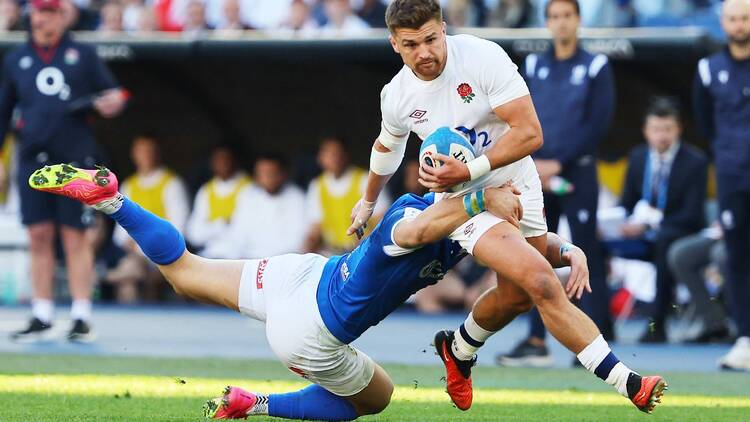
{"points": [[43, 310], [469, 338], [598, 353], [80, 309], [260, 407], [111, 205]]}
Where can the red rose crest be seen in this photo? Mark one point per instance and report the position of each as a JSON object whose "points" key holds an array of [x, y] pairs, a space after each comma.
{"points": [[466, 93]]}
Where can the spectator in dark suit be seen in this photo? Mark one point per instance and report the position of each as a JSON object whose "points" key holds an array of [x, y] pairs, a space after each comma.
{"points": [[665, 191]]}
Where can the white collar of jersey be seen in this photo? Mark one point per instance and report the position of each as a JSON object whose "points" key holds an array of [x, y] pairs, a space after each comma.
{"points": [[442, 78]]}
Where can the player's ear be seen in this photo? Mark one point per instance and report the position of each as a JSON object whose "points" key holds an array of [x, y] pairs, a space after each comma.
{"points": [[444, 26], [394, 44]]}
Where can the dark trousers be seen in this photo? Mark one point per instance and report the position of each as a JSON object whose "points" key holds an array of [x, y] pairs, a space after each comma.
{"points": [[734, 215], [580, 209]]}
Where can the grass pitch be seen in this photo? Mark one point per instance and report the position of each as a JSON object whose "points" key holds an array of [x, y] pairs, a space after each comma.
{"points": [[82, 388]]}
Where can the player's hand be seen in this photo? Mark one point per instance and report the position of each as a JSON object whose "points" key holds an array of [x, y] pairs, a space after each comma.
{"points": [[633, 230], [579, 273], [504, 202], [361, 212], [450, 173], [547, 168], [111, 103]]}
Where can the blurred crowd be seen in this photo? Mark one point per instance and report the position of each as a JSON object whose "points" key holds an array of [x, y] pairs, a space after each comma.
{"points": [[347, 18]]}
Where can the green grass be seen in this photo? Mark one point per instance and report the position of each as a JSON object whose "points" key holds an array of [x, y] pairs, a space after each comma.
{"points": [[81, 388]]}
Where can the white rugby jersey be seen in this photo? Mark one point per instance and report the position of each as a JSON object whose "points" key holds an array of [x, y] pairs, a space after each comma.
{"points": [[478, 77]]}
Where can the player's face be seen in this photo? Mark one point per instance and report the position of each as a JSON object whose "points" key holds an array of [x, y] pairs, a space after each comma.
{"points": [[46, 25], [332, 157], [222, 164], [145, 154], [563, 21], [269, 175], [661, 132], [735, 20], [423, 50]]}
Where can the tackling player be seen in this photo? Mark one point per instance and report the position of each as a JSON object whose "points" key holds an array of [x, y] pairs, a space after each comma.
{"points": [[471, 84], [313, 307]]}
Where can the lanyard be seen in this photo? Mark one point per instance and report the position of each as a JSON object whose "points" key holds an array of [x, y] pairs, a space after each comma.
{"points": [[663, 179]]}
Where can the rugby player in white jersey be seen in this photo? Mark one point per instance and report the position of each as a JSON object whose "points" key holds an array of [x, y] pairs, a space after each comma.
{"points": [[471, 84]]}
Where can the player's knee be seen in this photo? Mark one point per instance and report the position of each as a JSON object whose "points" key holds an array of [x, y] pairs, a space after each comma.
{"points": [[522, 306], [543, 286], [40, 240], [378, 405]]}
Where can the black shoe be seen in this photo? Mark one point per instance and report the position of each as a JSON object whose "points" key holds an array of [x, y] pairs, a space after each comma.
{"points": [[715, 335], [35, 332], [526, 355], [654, 335], [81, 332]]}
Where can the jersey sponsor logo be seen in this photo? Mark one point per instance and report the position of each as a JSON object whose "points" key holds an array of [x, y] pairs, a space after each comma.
{"points": [[465, 92], [71, 56], [51, 81], [345, 271], [417, 114], [25, 62], [433, 270], [259, 274], [469, 230]]}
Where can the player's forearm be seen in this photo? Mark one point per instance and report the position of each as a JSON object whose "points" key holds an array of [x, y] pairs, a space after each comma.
{"points": [[384, 162], [433, 224], [375, 185]]}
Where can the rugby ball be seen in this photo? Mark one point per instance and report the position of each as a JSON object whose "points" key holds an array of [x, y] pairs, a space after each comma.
{"points": [[445, 141]]}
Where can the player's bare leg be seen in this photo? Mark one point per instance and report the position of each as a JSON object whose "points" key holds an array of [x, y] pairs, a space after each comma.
{"points": [[214, 281], [514, 259], [41, 248]]}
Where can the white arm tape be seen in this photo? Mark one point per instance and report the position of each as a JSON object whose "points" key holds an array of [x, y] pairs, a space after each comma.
{"points": [[390, 141], [479, 166], [386, 163]]}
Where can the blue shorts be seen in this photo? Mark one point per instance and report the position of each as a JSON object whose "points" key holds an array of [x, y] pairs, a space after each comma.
{"points": [[41, 207]]}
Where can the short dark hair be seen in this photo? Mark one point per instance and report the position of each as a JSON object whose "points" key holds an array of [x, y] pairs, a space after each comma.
{"points": [[664, 107], [277, 157], [411, 14], [573, 2]]}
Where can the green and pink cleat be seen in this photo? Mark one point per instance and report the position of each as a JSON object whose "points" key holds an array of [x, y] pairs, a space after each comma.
{"points": [[236, 403], [88, 186]]}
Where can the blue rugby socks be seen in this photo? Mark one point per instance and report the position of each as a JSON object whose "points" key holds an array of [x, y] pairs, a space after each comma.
{"points": [[311, 403], [598, 358], [159, 240]]}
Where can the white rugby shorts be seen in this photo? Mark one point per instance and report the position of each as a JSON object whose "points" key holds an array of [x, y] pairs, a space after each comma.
{"points": [[281, 291]]}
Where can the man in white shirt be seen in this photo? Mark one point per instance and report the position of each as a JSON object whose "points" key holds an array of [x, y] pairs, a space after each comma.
{"points": [[332, 195], [342, 21], [215, 203], [471, 85], [270, 215]]}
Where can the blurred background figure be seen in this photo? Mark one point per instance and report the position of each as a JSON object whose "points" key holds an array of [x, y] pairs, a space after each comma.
{"points": [[39, 85], [131, 10], [195, 20], [722, 108], [159, 190], [692, 260], [512, 14], [341, 20], [270, 216], [265, 14], [231, 19], [147, 20], [569, 78], [215, 203], [10, 16], [373, 12], [331, 197], [300, 20], [77, 18], [111, 18], [664, 195]]}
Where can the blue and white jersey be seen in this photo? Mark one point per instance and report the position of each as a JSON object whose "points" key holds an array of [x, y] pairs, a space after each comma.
{"points": [[361, 288], [721, 96]]}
